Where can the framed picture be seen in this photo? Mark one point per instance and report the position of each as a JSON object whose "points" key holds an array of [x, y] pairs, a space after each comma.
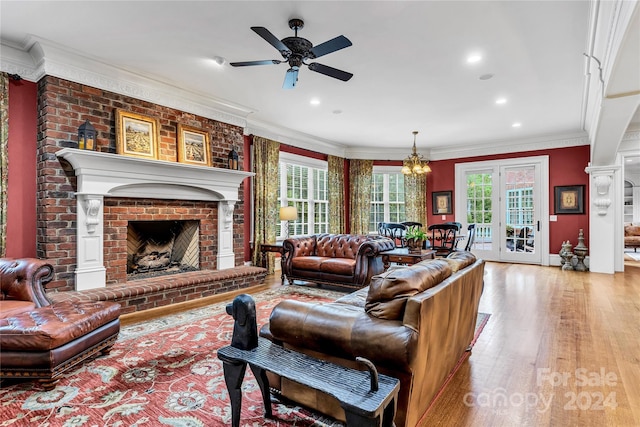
{"points": [[137, 135], [569, 199], [442, 203], [193, 146]]}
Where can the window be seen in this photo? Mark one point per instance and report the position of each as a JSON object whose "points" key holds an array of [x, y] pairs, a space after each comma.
{"points": [[303, 184], [387, 196]]}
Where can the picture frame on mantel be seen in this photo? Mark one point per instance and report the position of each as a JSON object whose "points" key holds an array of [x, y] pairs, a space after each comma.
{"points": [[137, 135], [193, 146], [569, 199], [442, 203]]}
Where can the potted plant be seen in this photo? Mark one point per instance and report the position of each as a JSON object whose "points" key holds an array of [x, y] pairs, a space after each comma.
{"points": [[415, 238]]}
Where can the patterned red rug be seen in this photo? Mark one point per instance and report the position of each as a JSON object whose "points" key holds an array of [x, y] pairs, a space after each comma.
{"points": [[162, 372]]}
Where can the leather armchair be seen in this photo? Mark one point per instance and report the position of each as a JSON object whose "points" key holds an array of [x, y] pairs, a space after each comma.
{"points": [[40, 339], [22, 284]]}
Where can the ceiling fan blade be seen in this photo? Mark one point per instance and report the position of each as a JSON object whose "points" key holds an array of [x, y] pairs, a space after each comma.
{"points": [[330, 46], [272, 40], [246, 63], [290, 79], [330, 71]]}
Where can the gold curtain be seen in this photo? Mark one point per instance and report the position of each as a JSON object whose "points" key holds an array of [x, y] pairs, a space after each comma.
{"points": [[4, 162], [265, 164], [415, 199], [335, 178], [360, 172]]}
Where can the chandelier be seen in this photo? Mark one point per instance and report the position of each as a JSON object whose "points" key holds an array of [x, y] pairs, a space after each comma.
{"points": [[415, 164]]}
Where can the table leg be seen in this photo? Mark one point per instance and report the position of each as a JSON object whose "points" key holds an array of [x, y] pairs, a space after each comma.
{"points": [[233, 377], [261, 377]]}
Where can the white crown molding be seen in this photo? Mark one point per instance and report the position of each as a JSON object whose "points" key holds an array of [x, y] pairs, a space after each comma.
{"points": [[48, 58], [294, 138], [461, 151], [16, 61]]}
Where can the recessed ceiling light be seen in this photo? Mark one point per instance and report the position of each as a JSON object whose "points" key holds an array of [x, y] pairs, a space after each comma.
{"points": [[314, 101], [486, 76], [500, 101], [219, 60], [516, 125], [473, 58]]}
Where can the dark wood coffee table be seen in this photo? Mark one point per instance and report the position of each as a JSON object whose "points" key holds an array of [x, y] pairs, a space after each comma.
{"points": [[402, 256]]}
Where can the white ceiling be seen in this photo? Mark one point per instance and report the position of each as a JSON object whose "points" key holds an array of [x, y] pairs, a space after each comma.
{"points": [[408, 59]]}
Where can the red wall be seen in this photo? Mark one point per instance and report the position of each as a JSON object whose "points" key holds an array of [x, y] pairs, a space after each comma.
{"points": [[21, 194], [566, 167]]}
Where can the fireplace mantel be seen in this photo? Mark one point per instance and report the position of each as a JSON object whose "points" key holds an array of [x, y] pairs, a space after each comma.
{"points": [[124, 176], [102, 175]]}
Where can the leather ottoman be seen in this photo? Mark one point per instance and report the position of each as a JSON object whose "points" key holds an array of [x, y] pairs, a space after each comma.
{"points": [[45, 342]]}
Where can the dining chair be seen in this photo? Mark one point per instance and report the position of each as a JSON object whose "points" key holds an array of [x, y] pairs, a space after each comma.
{"points": [[443, 238], [393, 230], [471, 237]]}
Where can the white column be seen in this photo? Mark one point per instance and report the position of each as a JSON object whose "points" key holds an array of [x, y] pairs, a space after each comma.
{"points": [[90, 270], [226, 257], [604, 233]]}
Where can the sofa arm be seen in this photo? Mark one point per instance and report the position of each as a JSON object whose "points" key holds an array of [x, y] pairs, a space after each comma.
{"points": [[24, 280], [296, 247], [344, 331], [375, 245], [368, 259]]}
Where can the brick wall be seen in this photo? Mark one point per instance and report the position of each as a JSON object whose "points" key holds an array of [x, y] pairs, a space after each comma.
{"points": [[62, 107]]}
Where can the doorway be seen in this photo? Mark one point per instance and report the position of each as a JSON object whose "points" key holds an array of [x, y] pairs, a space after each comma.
{"points": [[509, 203]]}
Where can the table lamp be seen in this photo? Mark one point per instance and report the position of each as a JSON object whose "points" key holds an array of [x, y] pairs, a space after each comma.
{"points": [[288, 213]]}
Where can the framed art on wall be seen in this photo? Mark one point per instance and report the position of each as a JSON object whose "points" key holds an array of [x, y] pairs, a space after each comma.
{"points": [[442, 202], [193, 146], [569, 199], [137, 135]]}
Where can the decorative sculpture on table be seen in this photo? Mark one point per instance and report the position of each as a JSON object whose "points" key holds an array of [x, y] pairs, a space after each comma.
{"points": [[581, 251]]}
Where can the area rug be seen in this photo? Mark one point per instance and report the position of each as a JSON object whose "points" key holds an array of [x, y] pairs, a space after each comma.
{"points": [[162, 372]]}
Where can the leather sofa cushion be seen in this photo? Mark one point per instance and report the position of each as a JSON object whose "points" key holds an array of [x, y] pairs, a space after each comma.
{"points": [[632, 230], [342, 266], [50, 327], [460, 259], [11, 307], [388, 292]]}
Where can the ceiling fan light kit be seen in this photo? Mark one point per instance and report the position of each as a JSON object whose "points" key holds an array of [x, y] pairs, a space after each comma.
{"points": [[298, 51]]}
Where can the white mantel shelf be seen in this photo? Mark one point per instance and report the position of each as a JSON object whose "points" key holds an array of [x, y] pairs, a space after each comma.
{"points": [[124, 176], [112, 175]]}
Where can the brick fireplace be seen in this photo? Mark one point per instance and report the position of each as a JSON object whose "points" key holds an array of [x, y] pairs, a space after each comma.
{"points": [[114, 190]]}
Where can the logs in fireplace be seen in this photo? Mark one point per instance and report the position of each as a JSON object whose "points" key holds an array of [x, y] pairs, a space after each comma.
{"points": [[162, 247]]}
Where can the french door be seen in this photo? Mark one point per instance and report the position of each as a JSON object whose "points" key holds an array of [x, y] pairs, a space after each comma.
{"points": [[508, 201]]}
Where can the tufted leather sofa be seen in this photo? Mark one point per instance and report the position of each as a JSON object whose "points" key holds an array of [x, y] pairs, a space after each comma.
{"points": [[632, 236], [414, 323], [42, 340], [336, 259]]}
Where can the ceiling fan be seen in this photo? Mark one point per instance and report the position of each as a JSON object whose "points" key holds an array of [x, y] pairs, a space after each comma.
{"points": [[298, 51]]}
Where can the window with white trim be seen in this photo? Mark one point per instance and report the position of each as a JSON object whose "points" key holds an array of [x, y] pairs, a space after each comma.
{"points": [[387, 196], [303, 184]]}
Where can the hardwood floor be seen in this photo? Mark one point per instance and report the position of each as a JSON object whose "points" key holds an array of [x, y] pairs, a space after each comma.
{"points": [[561, 348]]}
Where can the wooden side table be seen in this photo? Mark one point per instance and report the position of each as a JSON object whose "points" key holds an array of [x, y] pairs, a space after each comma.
{"points": [[272, 247], [402, 256]]}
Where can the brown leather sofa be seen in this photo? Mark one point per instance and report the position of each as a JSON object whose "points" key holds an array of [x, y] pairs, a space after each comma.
{"points": [[336, 259], [42, 340], [414, 323], [632, 236]]}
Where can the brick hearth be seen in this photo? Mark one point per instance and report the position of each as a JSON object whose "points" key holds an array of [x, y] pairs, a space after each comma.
{"points": [[161, 291]]}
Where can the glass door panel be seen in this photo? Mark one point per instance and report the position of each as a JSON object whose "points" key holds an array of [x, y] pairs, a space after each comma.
{"points": [[520, 223]]}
